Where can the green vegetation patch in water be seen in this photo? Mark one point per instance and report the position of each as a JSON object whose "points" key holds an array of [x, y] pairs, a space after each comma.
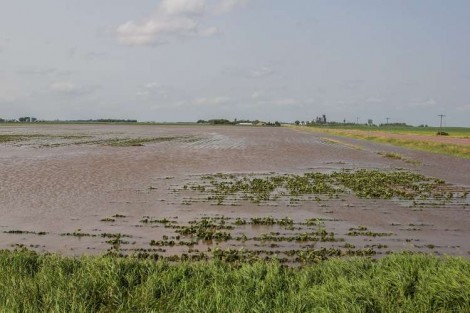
{"points": [[129, 142], [364, 183]]}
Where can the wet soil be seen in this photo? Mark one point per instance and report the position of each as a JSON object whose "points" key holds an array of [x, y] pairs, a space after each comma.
{"points": [[70, 179]]}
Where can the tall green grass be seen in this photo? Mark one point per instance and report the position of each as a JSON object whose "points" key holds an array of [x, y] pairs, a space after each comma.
{"points": [[397, 283]]}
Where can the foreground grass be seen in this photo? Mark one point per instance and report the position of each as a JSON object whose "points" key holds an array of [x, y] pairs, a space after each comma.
{"points": [[458, 150], [397, 283]]}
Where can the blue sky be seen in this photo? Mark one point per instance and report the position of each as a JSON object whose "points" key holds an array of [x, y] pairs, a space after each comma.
{"points": [[184, 60]]}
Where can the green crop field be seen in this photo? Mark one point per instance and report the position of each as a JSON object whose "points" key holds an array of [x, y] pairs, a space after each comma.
{"points": [[460, 132], [388, 135], [463, 132]]}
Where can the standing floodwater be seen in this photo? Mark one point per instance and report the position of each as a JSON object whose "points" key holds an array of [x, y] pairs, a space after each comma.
{"points": [[80, 189]]}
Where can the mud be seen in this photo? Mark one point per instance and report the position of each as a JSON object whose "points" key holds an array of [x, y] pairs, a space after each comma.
{"points": [[64, 179]]}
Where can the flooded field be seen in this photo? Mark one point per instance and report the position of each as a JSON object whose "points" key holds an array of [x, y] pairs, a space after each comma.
{"points": [[228, 192]]}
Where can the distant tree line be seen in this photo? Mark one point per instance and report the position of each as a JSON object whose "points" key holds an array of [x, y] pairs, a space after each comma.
{"points": [[321, 120], [104, 120], [27, 119], [30, 119], [395, 125], [219, 121], [23, 119], [236, 122], [101, 120]]}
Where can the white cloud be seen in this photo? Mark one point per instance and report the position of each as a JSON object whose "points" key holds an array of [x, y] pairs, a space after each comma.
{"points": [[280, 102], [256, 95], [2, 44], [38, 71], [153, 32], [284, 102], [187, 104], [47, 72], [95, 54], [226, 6], [184, 7], [211, 101], [463, 108], [153, 85], [7, 95], [63, 87], [153, 88], [142, 93], [173, 18], [374, 99], [261, 72], [352, 84], [423, 103], [70, 88], [208, 32]]}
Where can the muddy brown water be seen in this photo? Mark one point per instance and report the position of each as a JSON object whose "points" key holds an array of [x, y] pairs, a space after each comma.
{"points": [[65, 178]]}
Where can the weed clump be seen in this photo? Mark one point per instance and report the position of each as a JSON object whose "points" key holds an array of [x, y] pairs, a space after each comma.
{"points": [[363, 231], [206, 229]]}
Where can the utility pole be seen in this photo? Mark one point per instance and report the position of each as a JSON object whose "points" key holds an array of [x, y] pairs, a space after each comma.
{"points": [[440, 125], [387, 118], [357, 120]]}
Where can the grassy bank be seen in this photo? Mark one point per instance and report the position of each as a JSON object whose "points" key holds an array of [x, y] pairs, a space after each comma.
{"points": [[397, 283], [379, 135], [457, 132]]}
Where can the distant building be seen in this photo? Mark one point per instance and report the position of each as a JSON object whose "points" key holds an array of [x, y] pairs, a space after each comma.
{"points": [[321, 120]]}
